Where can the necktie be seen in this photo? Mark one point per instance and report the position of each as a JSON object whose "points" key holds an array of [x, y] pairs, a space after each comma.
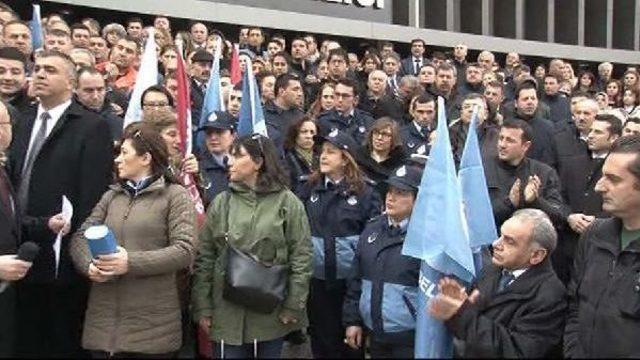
{"points": [[417, 69], [507, 277], [425, 132], [32, 153]]}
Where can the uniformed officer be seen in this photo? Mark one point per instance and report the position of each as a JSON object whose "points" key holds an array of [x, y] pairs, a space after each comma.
{"points": [[383, 285], [339, 203], [346, 117], [415, 135], [220, 130]]}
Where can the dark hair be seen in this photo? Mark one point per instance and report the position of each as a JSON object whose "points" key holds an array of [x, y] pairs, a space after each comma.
{"points": [[78, 26], [283, 54], [58, 33], [527, 131], [299, 38], [145, 139], [160, 119], [261, 148], [438, 55], [134, 19], [339, 52], [496, 84], [445, 66], [552, 76], [579, 93], [282, 82], [633, 119], [617, 101], [420, 41], [88, 70], [423, 99], [349, 83], [159, 89], [525, 85], [12, 53], [169, 47], [636, 93], [262, 75], [629, 144], [615, 125], [294, 130], [386, 43]]}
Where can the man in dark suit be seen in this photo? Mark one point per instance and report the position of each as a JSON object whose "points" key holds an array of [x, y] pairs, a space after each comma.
{"points": [[411, 65], [60, 148], [517, 309], [11, 269], [200, 72]]}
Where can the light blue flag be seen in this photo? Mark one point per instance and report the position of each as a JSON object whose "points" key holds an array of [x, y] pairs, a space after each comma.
{"points": [[475, 195], [147, 76], [251, 118], [213, 96], [36, 28], [437, 234]]}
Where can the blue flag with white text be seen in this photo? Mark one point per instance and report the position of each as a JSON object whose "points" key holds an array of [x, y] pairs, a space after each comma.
{"points": [[475, 195], [437, 234], [251, 118]]}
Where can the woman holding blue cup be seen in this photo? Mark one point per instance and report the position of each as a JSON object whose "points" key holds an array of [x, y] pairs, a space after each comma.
{"points": [[133, 308]]}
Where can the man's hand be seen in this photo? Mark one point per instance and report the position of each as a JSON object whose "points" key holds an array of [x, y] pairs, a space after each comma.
{"points": [[286, 317], [57, 224], [113, 264], [514, 193], [532, 190], [353, 337], [580, 222], [13, 269], [449, 299], [451, 288]]}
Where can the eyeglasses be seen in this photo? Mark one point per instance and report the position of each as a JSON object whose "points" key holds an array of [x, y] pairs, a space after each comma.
{"points": [[382, 134]]}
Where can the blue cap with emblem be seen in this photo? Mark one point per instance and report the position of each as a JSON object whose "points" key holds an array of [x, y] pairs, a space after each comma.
{"points": [[342, 141], [406, 178], [219, 120]]}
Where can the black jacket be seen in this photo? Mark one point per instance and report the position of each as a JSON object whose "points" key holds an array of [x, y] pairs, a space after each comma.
{"points": [[500, 178], [465, 88], [75, 160], [197, 99], [298, 169], [278, 121], [542, 147], [9, 240], [391, 106], [216, 175], [525, 320], [559, 106], [604, 295], [355, 125], [378, 172], [414, 141], [488, 135], [115, 122], [407, 66]]}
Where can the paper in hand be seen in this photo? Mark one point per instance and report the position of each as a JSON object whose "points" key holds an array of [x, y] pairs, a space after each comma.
{"points": [[67, 214]]}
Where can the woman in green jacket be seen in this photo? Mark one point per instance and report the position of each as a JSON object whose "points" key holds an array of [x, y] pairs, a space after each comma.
{"points": [[259, 216]]}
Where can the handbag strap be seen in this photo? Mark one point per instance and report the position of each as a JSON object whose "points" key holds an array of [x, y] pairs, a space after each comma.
{"points": [[227, 207]]}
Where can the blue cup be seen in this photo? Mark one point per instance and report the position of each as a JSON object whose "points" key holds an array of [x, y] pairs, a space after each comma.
{"points": [[101, 240]]}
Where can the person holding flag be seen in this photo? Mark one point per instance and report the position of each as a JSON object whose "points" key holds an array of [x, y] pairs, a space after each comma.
{"points": [[382, 293], [518, 307]]}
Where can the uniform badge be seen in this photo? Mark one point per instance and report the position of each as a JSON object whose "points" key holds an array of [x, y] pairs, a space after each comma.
{"points": [[422, 149], [411, 145], [213, 117], [352, 200], [333, 133], [314, 198], [362, 129], [372, 237], [402, 171]]}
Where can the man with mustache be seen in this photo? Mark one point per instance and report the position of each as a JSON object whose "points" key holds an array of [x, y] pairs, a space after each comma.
{"points": [[121, 71]]}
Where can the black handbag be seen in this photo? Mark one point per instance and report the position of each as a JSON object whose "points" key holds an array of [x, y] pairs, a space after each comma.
{"points": [[250, 283]]}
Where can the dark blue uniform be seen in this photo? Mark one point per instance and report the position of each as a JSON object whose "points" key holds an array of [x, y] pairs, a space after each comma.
{"points": [[337, 216], [383, 290], [216, 176], [414, 141], [355, 125]]}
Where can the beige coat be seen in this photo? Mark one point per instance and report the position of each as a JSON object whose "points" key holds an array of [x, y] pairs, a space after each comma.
{"points": [[139, 311]]}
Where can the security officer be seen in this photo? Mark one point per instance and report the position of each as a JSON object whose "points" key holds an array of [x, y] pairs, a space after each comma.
{"points": [[415, 135], [346, 117], [339, 203], [383, 286], [220, 130]]}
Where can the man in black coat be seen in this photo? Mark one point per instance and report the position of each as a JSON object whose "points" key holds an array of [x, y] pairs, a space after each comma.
{"points": [[517, 309], [59, 149], [559, 105], [200, 71], [515, 181], [11, 269], [542, 145], [411, 65], [91, 92], [284, 110], [604, 302]]}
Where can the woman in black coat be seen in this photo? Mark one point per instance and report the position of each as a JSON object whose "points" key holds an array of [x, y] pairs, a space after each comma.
{"points": [[299, 156]]}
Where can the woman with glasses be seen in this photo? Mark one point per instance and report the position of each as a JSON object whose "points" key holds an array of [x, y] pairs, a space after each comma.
{"points": [[339, 203], [382, 152], [261, 218], [133, 308]]}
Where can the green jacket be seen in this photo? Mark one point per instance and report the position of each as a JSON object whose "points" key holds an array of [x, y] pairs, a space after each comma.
{"points": [[271, 225]]}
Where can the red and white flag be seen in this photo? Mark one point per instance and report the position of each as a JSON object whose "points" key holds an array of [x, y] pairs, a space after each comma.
{"points": [[236, 72], [184, 129]]}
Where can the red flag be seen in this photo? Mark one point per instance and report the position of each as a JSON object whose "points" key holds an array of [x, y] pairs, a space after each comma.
{"points": [[236, 72], [183, 108], [184, 128]]}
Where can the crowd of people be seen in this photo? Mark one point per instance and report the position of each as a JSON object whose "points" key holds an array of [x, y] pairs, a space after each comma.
{"points": [[304, 227]]}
